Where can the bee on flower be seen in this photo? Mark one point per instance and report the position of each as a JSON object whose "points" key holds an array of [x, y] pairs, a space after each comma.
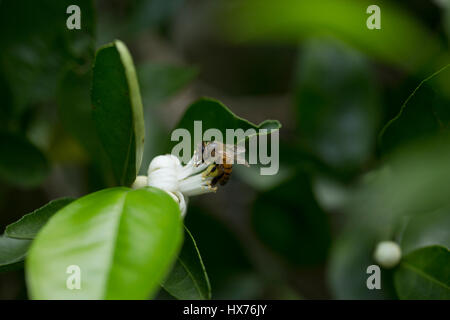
{"points": [[210, 165]]}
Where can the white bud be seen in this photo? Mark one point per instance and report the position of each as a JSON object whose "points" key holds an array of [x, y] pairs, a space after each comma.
{"points": [[140, 182], [163, 173], [387, 254]]}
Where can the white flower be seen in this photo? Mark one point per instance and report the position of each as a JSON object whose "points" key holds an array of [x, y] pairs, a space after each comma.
{"points": [[180, 182], [388, 254]]}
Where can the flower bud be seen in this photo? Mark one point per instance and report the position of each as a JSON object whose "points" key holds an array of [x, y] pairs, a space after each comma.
{"points": [[388, 254], [163, 173]]}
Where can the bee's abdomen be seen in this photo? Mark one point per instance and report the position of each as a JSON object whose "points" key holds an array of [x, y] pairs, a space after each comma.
{"points": [[226, 175], [227, 168]]}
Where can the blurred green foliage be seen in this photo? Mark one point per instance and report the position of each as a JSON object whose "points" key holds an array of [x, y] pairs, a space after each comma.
{"points": [[291, 21], [21, 162], [337, 104], [35, 53], [288, 220], [426, 110]]}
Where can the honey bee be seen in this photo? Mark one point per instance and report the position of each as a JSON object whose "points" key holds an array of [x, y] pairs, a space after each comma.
{"points": [[221, 157]]}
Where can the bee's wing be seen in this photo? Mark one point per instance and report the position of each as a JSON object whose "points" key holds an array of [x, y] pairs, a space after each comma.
{"points": [[223, 151], [235, 153]]}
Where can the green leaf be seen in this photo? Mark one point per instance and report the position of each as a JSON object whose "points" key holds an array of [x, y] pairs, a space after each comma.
{"points": [[30, 224], [217, 241], [213, 114], [425, 230], [21, 163], [160, 81], [117, 110], [12, 252], [424, 274], [402, 40], [337, 114], [414, 181], [289, 221], [425, 113], [124, 242], [188, 279]]}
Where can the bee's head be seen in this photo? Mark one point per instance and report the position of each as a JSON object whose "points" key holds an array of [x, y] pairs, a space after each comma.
{"points": [[205, 152], [209, 150]]}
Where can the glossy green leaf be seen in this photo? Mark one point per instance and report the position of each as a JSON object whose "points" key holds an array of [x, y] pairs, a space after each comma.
{"points": [[117, 110], [289, 21], [160, 81], [424, 274], [188, 279], [289, 221], [337, 113], [30, 224], [12, 252], [21, 163], [213, 114], [426, 229], [124, 242], [426, 110]]}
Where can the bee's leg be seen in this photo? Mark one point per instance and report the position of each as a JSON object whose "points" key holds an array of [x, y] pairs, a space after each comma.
{"points": [[225, 179], [217, 179], [211, 171]]}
